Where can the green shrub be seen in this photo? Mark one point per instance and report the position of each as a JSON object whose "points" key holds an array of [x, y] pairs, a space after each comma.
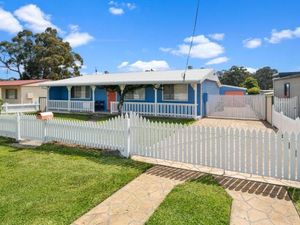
{"points": [[253, 91]]}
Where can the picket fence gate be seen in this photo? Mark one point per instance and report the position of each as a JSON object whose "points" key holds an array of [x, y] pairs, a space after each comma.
{"points": [[236, 107], [285, 123], [259, 152], [288, 106]]}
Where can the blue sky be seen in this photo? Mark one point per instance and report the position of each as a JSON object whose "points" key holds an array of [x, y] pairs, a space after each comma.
{"points": [[138, 35]]}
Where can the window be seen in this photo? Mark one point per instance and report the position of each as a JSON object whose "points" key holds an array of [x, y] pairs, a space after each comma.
{"points": [[287, 88], [176, 92], [81, 92], [11, 94], [138, 94]]}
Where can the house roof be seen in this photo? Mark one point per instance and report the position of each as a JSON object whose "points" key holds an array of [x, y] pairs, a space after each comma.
{"points": [[231, 86], [19, 82], [286, 74], [153, 77]]}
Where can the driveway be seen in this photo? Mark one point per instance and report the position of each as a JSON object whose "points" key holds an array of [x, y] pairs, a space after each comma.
{"points": [[252, 124]]}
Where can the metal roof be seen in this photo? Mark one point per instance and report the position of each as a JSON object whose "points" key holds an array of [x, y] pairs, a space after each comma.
{"points": [[19, 82], [153, 77], [286, 74]]}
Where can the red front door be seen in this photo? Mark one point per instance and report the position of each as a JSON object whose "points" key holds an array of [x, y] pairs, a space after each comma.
{"points": [[111, 97]]}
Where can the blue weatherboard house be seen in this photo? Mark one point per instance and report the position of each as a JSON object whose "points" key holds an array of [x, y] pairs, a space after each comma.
{"points": [[172, 95]]}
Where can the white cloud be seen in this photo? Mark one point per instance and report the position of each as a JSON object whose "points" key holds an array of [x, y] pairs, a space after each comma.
{"points": [[217, 61], [145, 65], [203, 48], [116, 11], [165, 49], [251, 69], [130, 6], [8, 22], [34, 18], [217, 36], [278, 36], [123, 64], [118, 8], [252, 43], [76, 38]]}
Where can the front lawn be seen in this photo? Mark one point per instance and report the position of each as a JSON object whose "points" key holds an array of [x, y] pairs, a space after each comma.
{"points": [[55, 184], [199, 202], [184, 121], [72, 116], [294, 193], [100, 118]]}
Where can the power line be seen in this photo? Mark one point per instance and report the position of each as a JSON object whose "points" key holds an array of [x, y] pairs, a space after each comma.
{"points": [[192, 39]]}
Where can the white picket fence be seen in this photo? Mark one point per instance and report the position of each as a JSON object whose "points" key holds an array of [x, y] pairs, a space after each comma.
{"points": [[15, 108], [156, 109], [288, 106], [111, 134], [284, 123], [236, 107], [259, 152]]}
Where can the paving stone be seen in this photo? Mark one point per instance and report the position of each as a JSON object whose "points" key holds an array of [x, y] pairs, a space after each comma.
{"points": [[136, 202]]}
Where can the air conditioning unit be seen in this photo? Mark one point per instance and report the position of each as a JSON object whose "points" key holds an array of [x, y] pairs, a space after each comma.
{"points": [[30, 95]]}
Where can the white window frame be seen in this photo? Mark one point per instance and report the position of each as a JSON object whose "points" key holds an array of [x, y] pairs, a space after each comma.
{"points": [[139, 99], [83, 93], [15, 93], [176, 100]]}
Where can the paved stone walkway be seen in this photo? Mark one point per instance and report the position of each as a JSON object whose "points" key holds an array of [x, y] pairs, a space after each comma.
{"points": [[254, 203], [136, 202], [257, 203]]}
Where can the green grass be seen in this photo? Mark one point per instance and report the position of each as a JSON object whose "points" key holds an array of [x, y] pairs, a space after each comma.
{"points": [[172, 120], [72, 116], [85, 117], [55, 184], [198, 202], [81, 117], [294, 193]]}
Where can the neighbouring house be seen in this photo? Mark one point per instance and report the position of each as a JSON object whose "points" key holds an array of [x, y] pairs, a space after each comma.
{"points": [[22, 91], [287, 85], [172, 95]]}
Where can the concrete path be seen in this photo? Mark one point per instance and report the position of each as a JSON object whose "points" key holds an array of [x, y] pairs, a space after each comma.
{"points": [[136, 202], [252, 124], [257, 203], [256, 200]]}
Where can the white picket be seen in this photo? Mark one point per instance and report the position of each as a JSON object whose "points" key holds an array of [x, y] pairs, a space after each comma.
{"points": [[292, 157], [242, 150], [286, 149]]}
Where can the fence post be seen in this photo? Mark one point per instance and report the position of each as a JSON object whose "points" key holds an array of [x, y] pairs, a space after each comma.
{"points": [[128, 133], [5, 107], [18, 127], [45, 130]]}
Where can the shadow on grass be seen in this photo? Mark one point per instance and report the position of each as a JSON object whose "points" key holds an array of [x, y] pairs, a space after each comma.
{"points": [[94, 155]]}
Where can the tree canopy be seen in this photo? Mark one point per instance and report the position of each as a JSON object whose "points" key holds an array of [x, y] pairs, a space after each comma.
{"points": [[264, 77], [235, 76], [40, 56], [252, 86]]}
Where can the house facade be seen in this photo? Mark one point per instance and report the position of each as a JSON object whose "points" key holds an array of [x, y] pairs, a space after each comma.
{"points": [[22, 91], [167, 94], [287, 85]]}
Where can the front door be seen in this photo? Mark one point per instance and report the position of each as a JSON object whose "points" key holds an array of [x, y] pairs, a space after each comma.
{"points": [[111, 97]]}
